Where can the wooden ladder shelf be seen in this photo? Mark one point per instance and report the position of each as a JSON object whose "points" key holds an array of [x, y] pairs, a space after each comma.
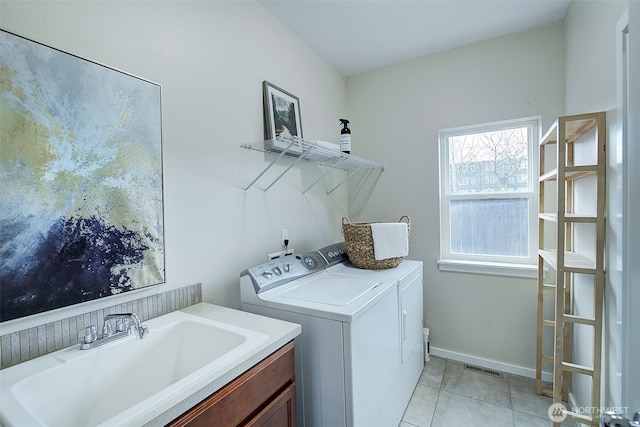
{"points": [[561, 255]]}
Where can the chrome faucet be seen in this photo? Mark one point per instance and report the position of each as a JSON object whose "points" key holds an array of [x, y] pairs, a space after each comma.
{"points": [[91, 339], [140, 329]]}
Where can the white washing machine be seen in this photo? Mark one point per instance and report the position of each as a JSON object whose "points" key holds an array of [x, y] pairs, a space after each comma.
{"points": [[360, 353]]}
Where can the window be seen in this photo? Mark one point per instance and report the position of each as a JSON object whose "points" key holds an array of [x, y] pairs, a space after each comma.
{"points": [[489, 226]]}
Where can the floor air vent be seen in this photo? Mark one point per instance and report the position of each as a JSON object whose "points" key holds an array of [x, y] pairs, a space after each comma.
{"points": [[485, 371]]}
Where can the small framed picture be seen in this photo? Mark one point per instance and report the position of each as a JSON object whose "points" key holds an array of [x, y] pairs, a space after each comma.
{"points": [[281, 113]]}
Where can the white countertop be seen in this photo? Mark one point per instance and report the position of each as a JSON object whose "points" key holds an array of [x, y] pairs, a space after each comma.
{"points": [[278, 331]]}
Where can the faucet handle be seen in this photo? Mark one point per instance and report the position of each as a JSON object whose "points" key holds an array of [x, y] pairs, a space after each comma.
{"points": [[122, 324], [107, 330], [90, 334], [143, 331]]}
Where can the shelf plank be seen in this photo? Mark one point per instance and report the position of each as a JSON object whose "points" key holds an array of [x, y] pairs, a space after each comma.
{"points": [[573, 263], [552, 175], [579, 319], [547, 393], [581, 418], [575, 172], [553, 217], [570, 173], [550, 257], [574, 128], [548, 217], [581, 218], [550, 137], [578, 369]]}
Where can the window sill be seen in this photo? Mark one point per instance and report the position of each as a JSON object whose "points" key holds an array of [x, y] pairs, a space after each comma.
{"points": [[529, 271]]}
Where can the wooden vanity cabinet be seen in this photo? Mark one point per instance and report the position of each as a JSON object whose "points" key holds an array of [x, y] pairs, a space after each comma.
{"points": [[263, 396]]}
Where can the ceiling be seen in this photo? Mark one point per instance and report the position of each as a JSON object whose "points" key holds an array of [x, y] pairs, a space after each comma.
{"points": [[357, 36]]}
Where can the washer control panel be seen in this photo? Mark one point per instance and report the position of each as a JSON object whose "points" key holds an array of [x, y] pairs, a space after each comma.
{"points": [[285, 269], [334, 254]]}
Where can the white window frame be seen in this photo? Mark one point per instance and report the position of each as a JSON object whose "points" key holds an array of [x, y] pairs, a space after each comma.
{"points": [[488, 264]]}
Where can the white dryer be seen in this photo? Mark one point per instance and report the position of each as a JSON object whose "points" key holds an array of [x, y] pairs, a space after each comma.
{"points": [[360, 353]]}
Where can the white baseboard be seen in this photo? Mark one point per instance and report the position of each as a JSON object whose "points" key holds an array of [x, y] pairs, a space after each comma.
{"points": [[491, 364]]}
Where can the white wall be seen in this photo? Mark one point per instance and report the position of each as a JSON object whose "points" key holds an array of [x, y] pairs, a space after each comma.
{"points": [[211, 59], [396, 113], [590, 28]]}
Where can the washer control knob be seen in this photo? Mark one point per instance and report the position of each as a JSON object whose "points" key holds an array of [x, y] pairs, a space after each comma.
{"points": [[308, 262], [287, 267], [277, 270], [267, 274]]}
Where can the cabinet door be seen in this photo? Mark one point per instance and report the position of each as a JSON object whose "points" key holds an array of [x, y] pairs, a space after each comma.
{"points": [[281, 412]]}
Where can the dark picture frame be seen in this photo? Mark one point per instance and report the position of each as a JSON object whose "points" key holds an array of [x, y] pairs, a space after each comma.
{"points": [[281, 113]]}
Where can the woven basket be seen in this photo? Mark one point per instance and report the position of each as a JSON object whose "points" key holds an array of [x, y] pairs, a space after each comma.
{"points": [[359, 242]]}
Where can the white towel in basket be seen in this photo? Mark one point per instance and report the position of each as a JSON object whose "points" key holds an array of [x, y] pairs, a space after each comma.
{"points": [[390, 240]]}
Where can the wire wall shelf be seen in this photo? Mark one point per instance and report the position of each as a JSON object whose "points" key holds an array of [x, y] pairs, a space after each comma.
{"points": [[297, 149]]}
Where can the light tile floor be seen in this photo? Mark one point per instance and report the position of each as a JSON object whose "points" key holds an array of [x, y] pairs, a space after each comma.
{"points": [[448, 395]]}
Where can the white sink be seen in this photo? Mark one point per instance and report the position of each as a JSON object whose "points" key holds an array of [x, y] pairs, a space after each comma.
{"points": [[125, 382]]}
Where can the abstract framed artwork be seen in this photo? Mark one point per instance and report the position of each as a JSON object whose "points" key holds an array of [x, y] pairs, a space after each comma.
{"points": [[281, 113], [81, 180]]}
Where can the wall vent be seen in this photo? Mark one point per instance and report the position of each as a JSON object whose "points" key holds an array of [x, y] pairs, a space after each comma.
{"points": [[485, 371]]}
